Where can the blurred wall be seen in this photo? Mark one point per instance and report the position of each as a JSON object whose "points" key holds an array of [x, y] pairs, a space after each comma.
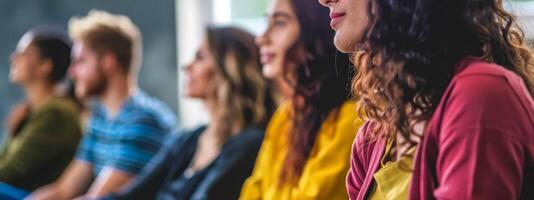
{"points": [[155, 20], [192, 17]]}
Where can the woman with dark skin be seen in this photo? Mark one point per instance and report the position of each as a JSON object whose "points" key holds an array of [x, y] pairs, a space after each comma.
{"points": [[46, 119]]}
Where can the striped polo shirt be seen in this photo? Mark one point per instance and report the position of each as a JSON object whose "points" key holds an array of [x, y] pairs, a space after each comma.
{"points": [[129, 140]]}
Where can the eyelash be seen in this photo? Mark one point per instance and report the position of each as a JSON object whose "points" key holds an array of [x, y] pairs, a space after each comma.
{"points": [[199, 56], [279, 23]]}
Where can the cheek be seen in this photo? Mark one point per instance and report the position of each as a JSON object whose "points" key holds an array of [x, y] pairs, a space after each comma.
{"points": [[23, 69], [205, 75], [190, 81], [281, 45], [196, 87], [204, 78], [87, 74], [285, 40], [197, 81]]}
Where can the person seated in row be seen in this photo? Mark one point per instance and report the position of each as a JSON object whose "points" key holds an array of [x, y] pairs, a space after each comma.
{"points": [[44, 130], [447, 87], [308, 141], [213, 161], [127, 127]]}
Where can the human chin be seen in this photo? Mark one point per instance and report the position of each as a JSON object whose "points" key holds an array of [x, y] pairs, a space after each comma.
{"points": [[188, 90], [80, 91], [94, 87], [344, 42], [195, 92], [13, 76], [188, 93], [270, 71]]}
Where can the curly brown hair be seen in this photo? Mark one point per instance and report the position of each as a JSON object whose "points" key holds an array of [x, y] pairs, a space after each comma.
{"points": [[410, 50]]}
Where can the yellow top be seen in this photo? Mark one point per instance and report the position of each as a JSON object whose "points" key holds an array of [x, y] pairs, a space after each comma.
{"points": [[323, 176], [393, 179]]}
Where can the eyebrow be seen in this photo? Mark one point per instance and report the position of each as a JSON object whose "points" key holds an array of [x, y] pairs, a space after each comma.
{"points": [[280, 14]]}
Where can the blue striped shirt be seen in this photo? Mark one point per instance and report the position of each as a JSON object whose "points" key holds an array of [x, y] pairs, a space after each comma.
{"points": [[128, 141]]}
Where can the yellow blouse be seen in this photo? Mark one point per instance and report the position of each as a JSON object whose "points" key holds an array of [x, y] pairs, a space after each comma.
{"points": [[324, 173], [392, 180]]}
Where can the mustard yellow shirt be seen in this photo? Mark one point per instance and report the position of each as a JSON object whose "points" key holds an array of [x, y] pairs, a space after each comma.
{"points": [[393, 179], [323, 176]]}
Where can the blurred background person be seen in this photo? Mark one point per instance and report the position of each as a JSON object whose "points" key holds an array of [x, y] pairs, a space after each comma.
{"points": [[127, 127], [309, 135], [44, 130], [213, 161], [156, 22]]}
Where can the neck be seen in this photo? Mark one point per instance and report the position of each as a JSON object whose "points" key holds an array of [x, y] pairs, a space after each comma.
{"points": [[284, 87], [117, 92], [38, 94], [214, 110]]}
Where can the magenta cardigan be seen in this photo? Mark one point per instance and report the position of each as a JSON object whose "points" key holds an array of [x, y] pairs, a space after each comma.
{"points": [[479, 143]]}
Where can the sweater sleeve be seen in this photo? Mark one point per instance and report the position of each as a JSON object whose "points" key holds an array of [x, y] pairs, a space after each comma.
{"points": [[147, 183], [39, 142], [481, 153], [358, 163]]}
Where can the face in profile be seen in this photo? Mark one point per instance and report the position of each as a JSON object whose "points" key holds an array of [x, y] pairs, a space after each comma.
{"points": [[199, 73], [349, 18], [86, 71], [25, 62], [281, 35]]}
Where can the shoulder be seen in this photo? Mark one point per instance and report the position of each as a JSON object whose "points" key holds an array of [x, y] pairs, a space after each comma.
{"points": [[481, 77], [251, 134], [186, 134], [56, 110], [345, 121], [59, 107], [485, 95], [247, 142], [144, 108], [185, 137], [250, 137], [283, 112], [475, 66], [348, 115], [366, 136], [482, 84], [280, 121]]}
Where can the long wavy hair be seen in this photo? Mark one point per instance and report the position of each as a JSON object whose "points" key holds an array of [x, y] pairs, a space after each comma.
{"points": [[323, 84], [410, 51], [243, 95]]}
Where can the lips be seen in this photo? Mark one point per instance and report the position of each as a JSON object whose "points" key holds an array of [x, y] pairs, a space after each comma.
{"points": [[266, 58], [336, 18]]}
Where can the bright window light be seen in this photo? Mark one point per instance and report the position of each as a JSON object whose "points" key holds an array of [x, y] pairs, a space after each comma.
{"points": [[222, 11]]}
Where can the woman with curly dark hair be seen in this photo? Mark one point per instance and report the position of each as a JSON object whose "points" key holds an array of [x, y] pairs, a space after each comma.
{"points": [[447, 87]]}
